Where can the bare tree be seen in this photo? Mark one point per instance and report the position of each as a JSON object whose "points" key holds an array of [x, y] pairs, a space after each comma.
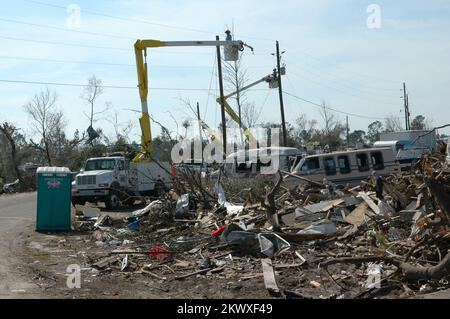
{"points": [[328, 117], [392, 124], [9, 131], [250, 115], [122, 130], [305, 131], [235, 77], [92, 91], [47, 121]]}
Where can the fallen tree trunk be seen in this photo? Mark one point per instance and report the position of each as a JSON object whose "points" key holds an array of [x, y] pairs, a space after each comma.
{"points": [[435, 272], [410, 272]]}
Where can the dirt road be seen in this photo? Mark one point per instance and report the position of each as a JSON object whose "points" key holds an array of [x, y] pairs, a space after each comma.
{"points": [[33, 265], [16, 217]]}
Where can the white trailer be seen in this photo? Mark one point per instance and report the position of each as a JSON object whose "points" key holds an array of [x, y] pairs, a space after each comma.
{"points": [[421, 138]]}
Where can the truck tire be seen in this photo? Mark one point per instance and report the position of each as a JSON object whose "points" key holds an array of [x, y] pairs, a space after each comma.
{"points": [[112, 201]]}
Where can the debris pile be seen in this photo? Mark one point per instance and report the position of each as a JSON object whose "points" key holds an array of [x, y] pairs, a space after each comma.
{"points": [[387, 237]]}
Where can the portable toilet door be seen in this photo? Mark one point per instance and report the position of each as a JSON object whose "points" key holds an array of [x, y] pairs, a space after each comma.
{"points": [[53, 199]]}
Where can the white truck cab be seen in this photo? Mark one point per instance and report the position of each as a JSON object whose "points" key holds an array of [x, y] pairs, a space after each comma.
{"points": [[114, 180]]}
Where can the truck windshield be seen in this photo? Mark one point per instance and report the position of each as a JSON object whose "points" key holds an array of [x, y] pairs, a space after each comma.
{"points": [[100, 164]]}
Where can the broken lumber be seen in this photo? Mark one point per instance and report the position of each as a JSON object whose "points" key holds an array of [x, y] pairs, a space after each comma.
{"points": [[304, 179], [105, 262], [269, 277], [369, 202]]}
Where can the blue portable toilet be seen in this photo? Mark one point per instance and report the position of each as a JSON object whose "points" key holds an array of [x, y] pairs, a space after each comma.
{"points": [[53, 199]]}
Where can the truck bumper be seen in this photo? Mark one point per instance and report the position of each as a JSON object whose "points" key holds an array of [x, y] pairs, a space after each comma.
{"points": [[90, 192]]}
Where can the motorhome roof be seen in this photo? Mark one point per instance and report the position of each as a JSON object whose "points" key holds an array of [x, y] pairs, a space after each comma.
{"points": [[103, 158], [374, 149]]}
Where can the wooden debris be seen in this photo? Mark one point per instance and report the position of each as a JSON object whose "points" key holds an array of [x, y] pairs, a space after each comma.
{"points": [[358, 216], [269, 276], [105, 262], [369, 202]]}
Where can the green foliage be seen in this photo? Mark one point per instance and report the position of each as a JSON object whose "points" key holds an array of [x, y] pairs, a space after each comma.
{"points": [[374, 130]]}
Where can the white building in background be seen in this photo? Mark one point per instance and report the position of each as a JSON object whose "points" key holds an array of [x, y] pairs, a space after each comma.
{"points": [[428, 139]]}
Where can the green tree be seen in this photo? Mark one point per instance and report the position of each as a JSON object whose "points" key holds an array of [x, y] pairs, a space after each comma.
{"points": [[357, 137], [419, 123], [373, 131]]}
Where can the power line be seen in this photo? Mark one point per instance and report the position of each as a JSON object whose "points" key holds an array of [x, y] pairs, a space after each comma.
{"points": [[66, 29], [66, 61], [104, 86], [107, 86], [122, 18], [344, 81], [158, 51], [342, 91], [339, 67], [332, 109], [64, 44], [100, 14], [96, 13], [109, 63]]}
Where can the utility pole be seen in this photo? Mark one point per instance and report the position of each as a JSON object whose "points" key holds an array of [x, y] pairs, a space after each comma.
{"points": [[348, 140], [222, 100], [406, 106], [280, 92], [409, 113], [200, 130]]}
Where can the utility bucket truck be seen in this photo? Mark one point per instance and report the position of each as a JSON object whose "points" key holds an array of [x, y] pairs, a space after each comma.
{"points": [[116, 179]]}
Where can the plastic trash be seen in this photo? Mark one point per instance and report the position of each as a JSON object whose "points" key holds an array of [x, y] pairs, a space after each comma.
{"points": [[132, 219], [324, 226], [134, 226], [220, 194], [222, 200], [160, 253], [182, 207], [219, 231], [271, 244]]}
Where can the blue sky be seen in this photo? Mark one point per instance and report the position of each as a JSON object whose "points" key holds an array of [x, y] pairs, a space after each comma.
{"points": [[331, 55]]}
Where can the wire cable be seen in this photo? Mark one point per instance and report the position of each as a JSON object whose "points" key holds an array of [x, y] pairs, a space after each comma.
{"points": [[103, 86], [332, 109]]}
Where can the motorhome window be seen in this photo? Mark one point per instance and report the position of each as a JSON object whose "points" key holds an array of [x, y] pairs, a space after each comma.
{"points": [[241, 167], [344, 164], [296, 161], [100, 164], [292, 161], [363, 162], [311, 164], [329, 165], [377, 160], [121, 165]]}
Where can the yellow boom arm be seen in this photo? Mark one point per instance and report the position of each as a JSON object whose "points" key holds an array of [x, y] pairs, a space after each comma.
{"points": [[140, 48], [251, 139]]}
